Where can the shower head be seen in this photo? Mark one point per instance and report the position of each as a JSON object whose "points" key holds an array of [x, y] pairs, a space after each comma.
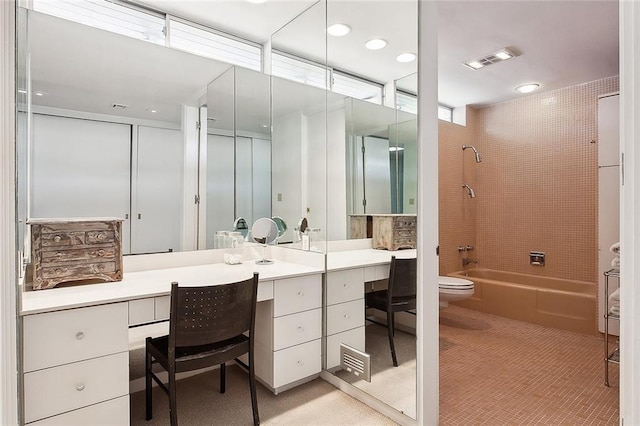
{"points": [[475, 151], [472, 193]]}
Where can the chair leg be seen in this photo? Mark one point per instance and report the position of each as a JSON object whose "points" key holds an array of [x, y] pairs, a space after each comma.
{"points": [[390, 332], [223, 378], [173, 409], [147, 384], [252, 385], [393, 323]]}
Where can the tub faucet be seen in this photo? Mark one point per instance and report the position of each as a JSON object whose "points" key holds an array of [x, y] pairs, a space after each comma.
{"points": [[466, 261]]}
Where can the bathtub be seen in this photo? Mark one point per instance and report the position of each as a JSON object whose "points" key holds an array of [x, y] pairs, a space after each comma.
{"points": [[550, 302]]}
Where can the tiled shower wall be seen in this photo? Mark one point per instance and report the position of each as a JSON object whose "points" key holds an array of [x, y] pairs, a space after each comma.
{"points": [[457, 212], [536, 186]]}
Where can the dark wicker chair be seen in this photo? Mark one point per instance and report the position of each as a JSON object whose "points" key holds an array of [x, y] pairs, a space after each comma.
{"points": [[400, 295], [207, 327]]}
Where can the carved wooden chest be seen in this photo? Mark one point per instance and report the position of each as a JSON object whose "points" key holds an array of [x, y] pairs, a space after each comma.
{"points": [[394, 232], [64, 250]]}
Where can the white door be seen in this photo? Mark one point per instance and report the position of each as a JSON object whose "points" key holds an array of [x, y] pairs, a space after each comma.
{"points": [[157, 197], [261, 179], [80, 168], [220, 187], [377, 175]]}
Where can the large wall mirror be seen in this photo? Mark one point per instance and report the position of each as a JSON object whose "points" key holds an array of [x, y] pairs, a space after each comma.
{"points": [[368, 148]]}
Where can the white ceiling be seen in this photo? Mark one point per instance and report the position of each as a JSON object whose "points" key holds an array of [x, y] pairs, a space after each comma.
{"points": [[562, 43]]}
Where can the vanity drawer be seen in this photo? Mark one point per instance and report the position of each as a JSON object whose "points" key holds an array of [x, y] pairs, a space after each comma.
{"points": [[67, 387], [141, 311], [61, 337], [354, 338], [296, 363], [71, 270], [297, 294], [54, 256], [294, 329], [162, 305], [112, 412], [377, 272], [343, 286], [345, 316]]}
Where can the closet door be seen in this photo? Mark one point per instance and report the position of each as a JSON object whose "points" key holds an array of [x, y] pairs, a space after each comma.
{"points": [[262, 179], [377, 175], [220, 186], [80, 168], [157, 197]]}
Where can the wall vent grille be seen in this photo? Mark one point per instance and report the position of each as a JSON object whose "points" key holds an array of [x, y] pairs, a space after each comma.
{"points": [[356, 362]]}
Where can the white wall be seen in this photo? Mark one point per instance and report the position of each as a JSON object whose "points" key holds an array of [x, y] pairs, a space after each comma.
{"points": [[427, 309], [336, 195], [630, 208], [8, 302]]}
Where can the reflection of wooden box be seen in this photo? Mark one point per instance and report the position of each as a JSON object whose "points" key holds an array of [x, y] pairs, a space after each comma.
{"points": [[394, 232], [65, 250], [360, 226]]}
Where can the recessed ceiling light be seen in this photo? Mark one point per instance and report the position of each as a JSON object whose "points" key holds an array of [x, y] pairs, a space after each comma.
{"points": [[527, 88], [375, 44], [396, 148], [264, 126], [475, 65], [339, 30], [22, 91], [406, 57], [39, 93], [151, 110]]}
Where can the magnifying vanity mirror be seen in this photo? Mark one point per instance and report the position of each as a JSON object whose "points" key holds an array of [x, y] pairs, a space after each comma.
{"points": [[264, 231]]}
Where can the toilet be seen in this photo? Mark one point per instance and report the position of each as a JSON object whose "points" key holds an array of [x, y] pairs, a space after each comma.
{"points": [[452, 289]]}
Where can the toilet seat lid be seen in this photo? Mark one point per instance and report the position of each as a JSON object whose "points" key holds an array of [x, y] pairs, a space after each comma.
{"points": [[454, 283]]}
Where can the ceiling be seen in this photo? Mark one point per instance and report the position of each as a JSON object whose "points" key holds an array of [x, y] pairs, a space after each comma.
{"points": [[562, 43]]}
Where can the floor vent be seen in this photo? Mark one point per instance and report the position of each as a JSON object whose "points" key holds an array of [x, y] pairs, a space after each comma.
{"points": [[356, 362]]}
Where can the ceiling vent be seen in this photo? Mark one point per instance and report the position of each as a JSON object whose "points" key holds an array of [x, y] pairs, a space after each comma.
{"points": [[499, 56], [119, 106]]}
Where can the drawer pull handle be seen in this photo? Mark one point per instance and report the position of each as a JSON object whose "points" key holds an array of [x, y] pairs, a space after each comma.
{"points": [[59, 254], [60, 270], [100, 253], [346, 316], [57, 238], [80, 335], [300, 363], [80, 387], [101, 236], [100, 267], [300, 328], [300, 294]]}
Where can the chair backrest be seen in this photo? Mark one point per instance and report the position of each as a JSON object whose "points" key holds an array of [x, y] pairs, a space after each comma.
{"points": [[402, 278], [210, 314]]}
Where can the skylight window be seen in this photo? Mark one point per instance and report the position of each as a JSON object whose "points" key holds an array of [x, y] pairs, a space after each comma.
{"points": [[286, 66], [357, 88], [114, 17], [212, 45]]}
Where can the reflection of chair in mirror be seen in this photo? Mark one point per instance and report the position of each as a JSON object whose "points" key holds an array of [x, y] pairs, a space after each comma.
{"points": [[206, 328], [400, 296]]}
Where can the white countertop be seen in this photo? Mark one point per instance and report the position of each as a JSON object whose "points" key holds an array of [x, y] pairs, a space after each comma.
{"points": [[367, 257], [157, 282]]}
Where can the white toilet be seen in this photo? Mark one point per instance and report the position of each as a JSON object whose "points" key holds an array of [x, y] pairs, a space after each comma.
{"points": [[452, 289]]}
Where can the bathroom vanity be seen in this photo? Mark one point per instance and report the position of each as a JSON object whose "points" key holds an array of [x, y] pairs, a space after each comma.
{"points": [[77, 339]]}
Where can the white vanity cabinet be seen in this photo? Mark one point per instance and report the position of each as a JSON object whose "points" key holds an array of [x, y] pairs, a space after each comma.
{"points": [[76, 365], [344, 315], [289, 332]]}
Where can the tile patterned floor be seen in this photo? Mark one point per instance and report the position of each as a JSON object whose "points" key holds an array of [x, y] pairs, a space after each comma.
{"points": [[496, 371]]}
